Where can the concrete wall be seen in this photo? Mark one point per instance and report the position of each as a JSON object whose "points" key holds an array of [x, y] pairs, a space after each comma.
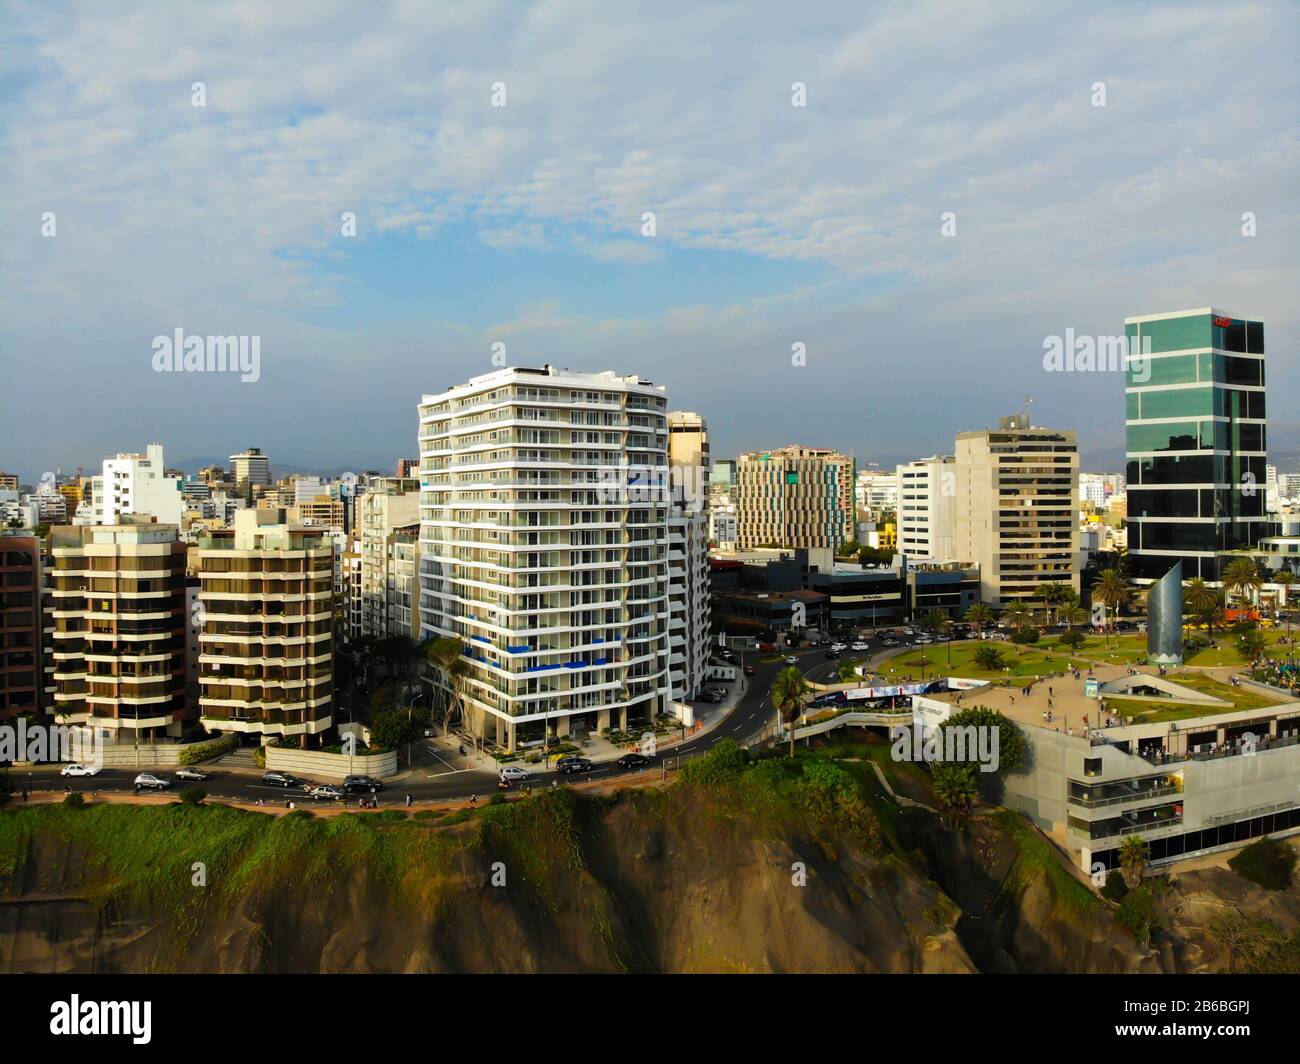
{"points": [[315, 763]]}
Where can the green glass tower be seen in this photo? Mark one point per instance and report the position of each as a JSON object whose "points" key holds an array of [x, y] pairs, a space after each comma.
{"points": [[1194, 389]]}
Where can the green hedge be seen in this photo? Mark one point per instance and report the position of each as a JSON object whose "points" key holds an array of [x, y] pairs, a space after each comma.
{"points": [[192, 755], [1267, 862]]}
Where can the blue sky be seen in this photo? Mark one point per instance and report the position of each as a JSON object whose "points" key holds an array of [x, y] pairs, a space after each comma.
{"points": [[521, 224]]}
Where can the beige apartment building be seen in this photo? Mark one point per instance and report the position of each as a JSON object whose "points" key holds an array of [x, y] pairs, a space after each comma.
{"points": [[794, 497], [386, 570], [267, 640], [1014, 512], [118, 611]]}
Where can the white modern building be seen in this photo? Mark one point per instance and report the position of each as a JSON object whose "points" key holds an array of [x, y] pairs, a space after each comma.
{"points": [[927, 489], [134, 484], [544, 547], [876, 490]]}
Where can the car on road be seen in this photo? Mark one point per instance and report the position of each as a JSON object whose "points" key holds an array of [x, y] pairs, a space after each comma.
{"points": [[147, 781], [633, 760], [366, 784], [513, 773], [767, 648], [814, 642], [861, 645], [790, 659], [280, 779], [833, 655], [77, 769], [327, 792], [568, 766], [839, 646], [750, 670], [197, 775], [890, 641]]}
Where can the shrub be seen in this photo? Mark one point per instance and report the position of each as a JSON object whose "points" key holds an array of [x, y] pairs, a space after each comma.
{"points": [[75, 800], [1073, 640], [193, 795], [192, 755], [1115, 889], [1025, 636], [1139, 914], [1267, 862]]}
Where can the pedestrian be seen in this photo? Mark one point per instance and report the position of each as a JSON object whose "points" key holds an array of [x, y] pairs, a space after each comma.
{"points": [[473, 799], [408, 801]]}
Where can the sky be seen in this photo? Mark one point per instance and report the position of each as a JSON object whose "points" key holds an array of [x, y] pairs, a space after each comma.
{"points": [[1093, 161]]}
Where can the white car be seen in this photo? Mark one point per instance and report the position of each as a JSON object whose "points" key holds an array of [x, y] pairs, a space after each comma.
{"points": [[148, 781], [860, 645], [80, 770], [839, 646], [513, 773], [791, 659], [197, 775]]}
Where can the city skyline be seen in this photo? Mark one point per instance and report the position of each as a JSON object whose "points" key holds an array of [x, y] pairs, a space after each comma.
{"points": [[1096, 182]]}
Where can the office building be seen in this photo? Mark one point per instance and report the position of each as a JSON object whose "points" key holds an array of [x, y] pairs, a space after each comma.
{"points": [[1195, 417], [925, 515], [544, 547], [877, 490], [250, 467], [688, 554], [266, 665], [1015, 514], [119, 639], [795, 497]]}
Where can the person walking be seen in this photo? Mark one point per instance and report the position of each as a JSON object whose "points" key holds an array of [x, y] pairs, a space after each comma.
{"points": [[408, 801]]}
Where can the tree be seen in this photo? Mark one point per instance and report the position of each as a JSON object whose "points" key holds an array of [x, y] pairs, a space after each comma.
{"points": [[1284, 578], [937, 621], [1011, 743], [446, 660], [988, 658], [1240, 578], [1018, 614], [846, 673], [788, 692], [979, 615], [848, 549], [1251, 645], [1071, 616], [1113, 591], [1199, 596], [1054, 593], [1134, 853], [954, 786]]}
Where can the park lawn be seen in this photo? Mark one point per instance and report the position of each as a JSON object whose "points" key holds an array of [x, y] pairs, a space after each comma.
{"points": [[1239, 698], [1034, 660], [1225, 653]]}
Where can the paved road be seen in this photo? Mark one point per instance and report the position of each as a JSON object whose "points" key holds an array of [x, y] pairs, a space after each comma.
{"points": [[752, 716]]}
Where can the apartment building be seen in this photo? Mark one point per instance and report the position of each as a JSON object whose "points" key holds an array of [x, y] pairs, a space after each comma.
{"points": [[20, 625], [1015, 514], [688, 554], [1197, 453], [925, 514], [544, 547], [794, 497], [390, 504], [266, 665], [133, 484], [876, 490], [119, 638]]}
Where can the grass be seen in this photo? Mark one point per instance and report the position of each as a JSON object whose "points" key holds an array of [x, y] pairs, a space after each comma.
{"points": [[1152, 712], [1034, 660], [1037, 859]]}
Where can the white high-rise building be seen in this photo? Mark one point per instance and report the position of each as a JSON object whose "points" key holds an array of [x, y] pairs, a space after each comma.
{"points": [[926, 492], [876, 490], [134, 484], [544, 541]]}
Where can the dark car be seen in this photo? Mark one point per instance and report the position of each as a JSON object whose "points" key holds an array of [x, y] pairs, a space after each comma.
{"points": [[280, 779], [750, 670], [364, 784], [633, 761], [577, 764], [833, 655]]}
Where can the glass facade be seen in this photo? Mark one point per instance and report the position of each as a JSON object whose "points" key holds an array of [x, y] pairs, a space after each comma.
{"points": [[1197, 449]]}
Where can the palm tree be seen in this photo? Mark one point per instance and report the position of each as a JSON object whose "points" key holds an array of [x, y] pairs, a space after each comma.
{"points": [[1284, 578], [1241, 577], [954, 785], [1018, 614], [937, 621], [1134, 854], [1054, 594], [979, 615], [988, 658], [788, 692], [1072, 615], [1199, 596], [1113, 591]]}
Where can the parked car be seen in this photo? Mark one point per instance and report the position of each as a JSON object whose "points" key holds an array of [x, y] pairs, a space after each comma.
{"points": [[861, 645], [327, 792], [513, 773], [280, 779], [767, 648], [147, 781], [76, 769], [569, 766], [633, 761], [368, 784], [814, 642], [194, 774], [890, 642], [750, 670]]}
